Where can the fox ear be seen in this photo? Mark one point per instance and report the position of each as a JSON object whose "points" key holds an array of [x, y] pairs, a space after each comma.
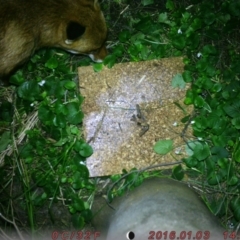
{"points": [[74, 31]]}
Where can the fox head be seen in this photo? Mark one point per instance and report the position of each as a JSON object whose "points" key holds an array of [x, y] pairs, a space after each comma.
{"points": [[85, 32], [77, 26]]}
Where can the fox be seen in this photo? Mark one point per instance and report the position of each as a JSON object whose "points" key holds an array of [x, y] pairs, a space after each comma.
{"points": [[77, 26]]}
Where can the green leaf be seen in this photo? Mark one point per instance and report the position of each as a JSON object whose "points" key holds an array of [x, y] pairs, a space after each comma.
{"points": [[235, 206], [220, 152], [60, 107], [80, 178], [190, 162], [201, 151], [236, 122], [86, 150], [70, 85], [52, 63], [213, 178], [233, 109], [117, 51], [87, 215], [75, 115], [178, 172], [163, 18], [163, 146], [179, 42], [45, 115], [209, 18], [17, 78], [193, 41], [124, 36], [145, 52], [197, 24], [209, 50], [26, 151], [83, 170], [223, 163], [59, 121], [147, 2], [217, 87], [190, 96], [74, 130], [170, 5], [109, 60], [187, 76], [199, 102], [200, 123], [78, 221], [189, 147], [61, 142], [210, 164], [29, 91], [134, 50], [236, 154], [232, 181], [178, 82], [97, 67], [80, 205]]}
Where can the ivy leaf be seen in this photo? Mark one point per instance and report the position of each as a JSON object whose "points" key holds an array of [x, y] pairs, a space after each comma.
{"points": [[75, 115], [179, 42], [29, 90], [209, 50], [236, 155], [213, 178], [187, 76], [124, 36], [234, 204], [236, 122], [232, 181], [59, 121], [178, 172], [199, 102], [117, 51], [163, 147], [209, 18], [79, 204], [17, 78], [52, 63], [70, 85], [197, 24], [201, 151], [190, 162], [109, 60], [86, 150], [233, 110], [163, 18], [170, 5], [45, 115], [178, 82], [97, 67], [78, 221]]}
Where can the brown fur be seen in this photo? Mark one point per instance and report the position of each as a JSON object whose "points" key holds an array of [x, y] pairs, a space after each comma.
{"points": [[27, 25]]}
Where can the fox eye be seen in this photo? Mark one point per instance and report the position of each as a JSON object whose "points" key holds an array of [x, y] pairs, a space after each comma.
{"points": [[75, 30]]}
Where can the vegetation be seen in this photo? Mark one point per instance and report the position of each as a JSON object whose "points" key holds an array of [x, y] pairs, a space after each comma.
{"points": [[41, 140]]}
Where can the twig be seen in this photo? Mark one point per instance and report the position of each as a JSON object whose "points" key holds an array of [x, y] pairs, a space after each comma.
{"points": [[14, 224]]}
